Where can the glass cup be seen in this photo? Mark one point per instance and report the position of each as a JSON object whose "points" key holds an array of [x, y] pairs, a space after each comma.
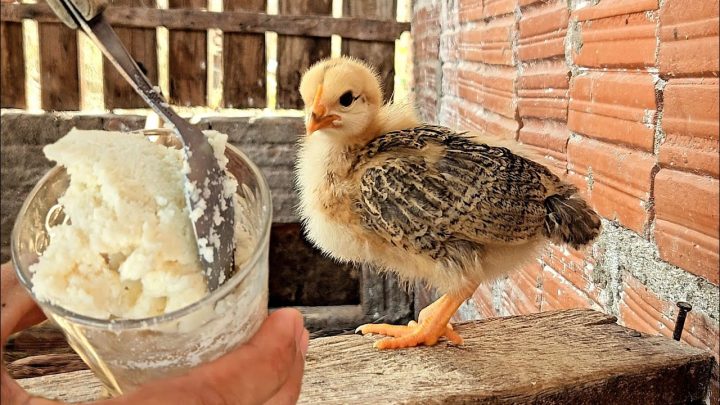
{"points": [[126, 353]]}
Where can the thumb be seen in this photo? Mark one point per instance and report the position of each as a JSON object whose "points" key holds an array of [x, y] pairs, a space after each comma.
{"points": [[258, 369], [251, 374]]}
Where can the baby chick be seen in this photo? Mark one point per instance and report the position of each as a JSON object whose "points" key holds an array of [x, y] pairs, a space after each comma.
{"points": [[453, 209]]}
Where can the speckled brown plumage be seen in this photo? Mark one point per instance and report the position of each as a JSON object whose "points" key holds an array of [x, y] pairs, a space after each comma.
{"points": [[430, 189], [428, 203]]}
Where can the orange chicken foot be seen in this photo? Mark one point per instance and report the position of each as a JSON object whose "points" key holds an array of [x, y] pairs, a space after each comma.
{"points": [[433, 324]]}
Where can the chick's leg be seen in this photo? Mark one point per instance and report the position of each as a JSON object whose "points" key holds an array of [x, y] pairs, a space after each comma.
{"points": [[430, 309], [433, 325]]}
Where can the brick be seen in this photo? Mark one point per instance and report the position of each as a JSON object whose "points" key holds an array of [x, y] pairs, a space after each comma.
{"points": [[687, 229], [493, 8], [626, 41], [690, 122], [491, 87], [473, 117], [426, 33], [558, 293], [543, 90], [610, 8], [689, 38], [643, 310], [482, 297], [542, 31], [521, 294], [616, 180], [548, 139], [470, 10], [489, 42], [618, 107], [574, 266]]}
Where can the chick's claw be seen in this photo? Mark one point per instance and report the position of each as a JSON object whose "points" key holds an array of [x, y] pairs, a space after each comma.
{"points": [[385, 329], [412, 335]]}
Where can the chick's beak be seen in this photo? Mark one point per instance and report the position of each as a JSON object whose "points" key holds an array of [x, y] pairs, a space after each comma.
{"points": [[318, 117]]}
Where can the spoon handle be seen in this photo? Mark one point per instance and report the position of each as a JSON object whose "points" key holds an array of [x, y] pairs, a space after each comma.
{"points": [[204, 188]]}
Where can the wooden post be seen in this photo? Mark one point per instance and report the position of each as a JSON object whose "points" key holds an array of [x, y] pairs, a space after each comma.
{"points": [[244, 62], [142, 45], [379, 54], [188, 61], [296, 54], [59, 82], [384, 298], [12, 65]]}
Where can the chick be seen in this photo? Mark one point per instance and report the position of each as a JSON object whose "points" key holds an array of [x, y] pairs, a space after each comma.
{"points": [[453, 209]]}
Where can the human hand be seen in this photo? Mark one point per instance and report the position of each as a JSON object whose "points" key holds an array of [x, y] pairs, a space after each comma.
{"points": [[268, 369]]}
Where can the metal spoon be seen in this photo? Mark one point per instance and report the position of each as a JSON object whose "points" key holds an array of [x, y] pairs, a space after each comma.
{"points": [[204, 191]]}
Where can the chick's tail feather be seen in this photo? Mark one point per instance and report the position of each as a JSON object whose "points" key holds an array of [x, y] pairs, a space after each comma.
{"points": [[570, 219]]}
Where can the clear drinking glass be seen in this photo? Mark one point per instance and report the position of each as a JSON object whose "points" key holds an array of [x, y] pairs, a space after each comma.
{"points": [[126, 353]]}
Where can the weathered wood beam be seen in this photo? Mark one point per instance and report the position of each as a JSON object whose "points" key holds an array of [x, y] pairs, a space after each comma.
{"points": [[568, 357], [228, 21]]}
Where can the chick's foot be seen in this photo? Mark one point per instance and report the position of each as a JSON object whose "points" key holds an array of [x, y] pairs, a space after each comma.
{"points": [[433, 325]]}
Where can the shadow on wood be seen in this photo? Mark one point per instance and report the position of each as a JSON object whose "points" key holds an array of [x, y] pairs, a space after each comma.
{"points": [[571, 357]]}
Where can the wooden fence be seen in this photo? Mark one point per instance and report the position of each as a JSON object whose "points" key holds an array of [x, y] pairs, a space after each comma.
{"points": [[368, 29]]}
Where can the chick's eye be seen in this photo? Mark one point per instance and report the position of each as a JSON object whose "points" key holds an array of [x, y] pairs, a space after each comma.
{"points": [[346, 99]]}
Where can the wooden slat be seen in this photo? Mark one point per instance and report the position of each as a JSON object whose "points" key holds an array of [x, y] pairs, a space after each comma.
{"points": [[564, 357], [295, 54], [59, 82], [142, 45], [244, 62], [379, 54], [12, 66], [365, 28], [188, 61]]}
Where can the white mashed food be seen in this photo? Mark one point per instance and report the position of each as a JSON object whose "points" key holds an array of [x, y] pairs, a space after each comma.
{"points": [[128, 249]]}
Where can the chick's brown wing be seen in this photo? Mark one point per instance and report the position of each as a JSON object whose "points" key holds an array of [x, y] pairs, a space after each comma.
{"points": [[431, 190]]}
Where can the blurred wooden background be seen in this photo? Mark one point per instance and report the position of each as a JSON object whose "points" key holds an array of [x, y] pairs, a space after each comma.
{"points": [[303, 27]]}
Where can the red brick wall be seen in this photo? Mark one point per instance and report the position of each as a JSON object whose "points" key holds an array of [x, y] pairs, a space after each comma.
{"points": [[621, 97]]}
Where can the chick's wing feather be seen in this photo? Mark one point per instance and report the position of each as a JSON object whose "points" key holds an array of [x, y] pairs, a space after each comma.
{"points": [[429, 189]]}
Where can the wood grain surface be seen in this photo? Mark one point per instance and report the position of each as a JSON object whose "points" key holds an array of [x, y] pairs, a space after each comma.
{"points": [[379, 54], [12, 65], [244, 62], [142, 45], [295, 53], [571, 357]]}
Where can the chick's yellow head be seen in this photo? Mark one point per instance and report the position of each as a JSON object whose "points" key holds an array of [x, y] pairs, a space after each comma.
{"points": [[342, 96]]}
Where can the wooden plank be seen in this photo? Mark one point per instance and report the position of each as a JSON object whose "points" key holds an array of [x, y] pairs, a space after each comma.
{"points": [[12, 66], [379, 54], [75, 386], [366, 29], [244, 62], [45, 364], [188, 61], [295, 54], [567, 357], [59, 81], [142, 45]]}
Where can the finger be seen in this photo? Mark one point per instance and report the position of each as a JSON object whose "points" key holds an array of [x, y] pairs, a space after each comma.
{"points": [[290, 392], [17, 312], [251, 374], [262, 366], [17, 309]]}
